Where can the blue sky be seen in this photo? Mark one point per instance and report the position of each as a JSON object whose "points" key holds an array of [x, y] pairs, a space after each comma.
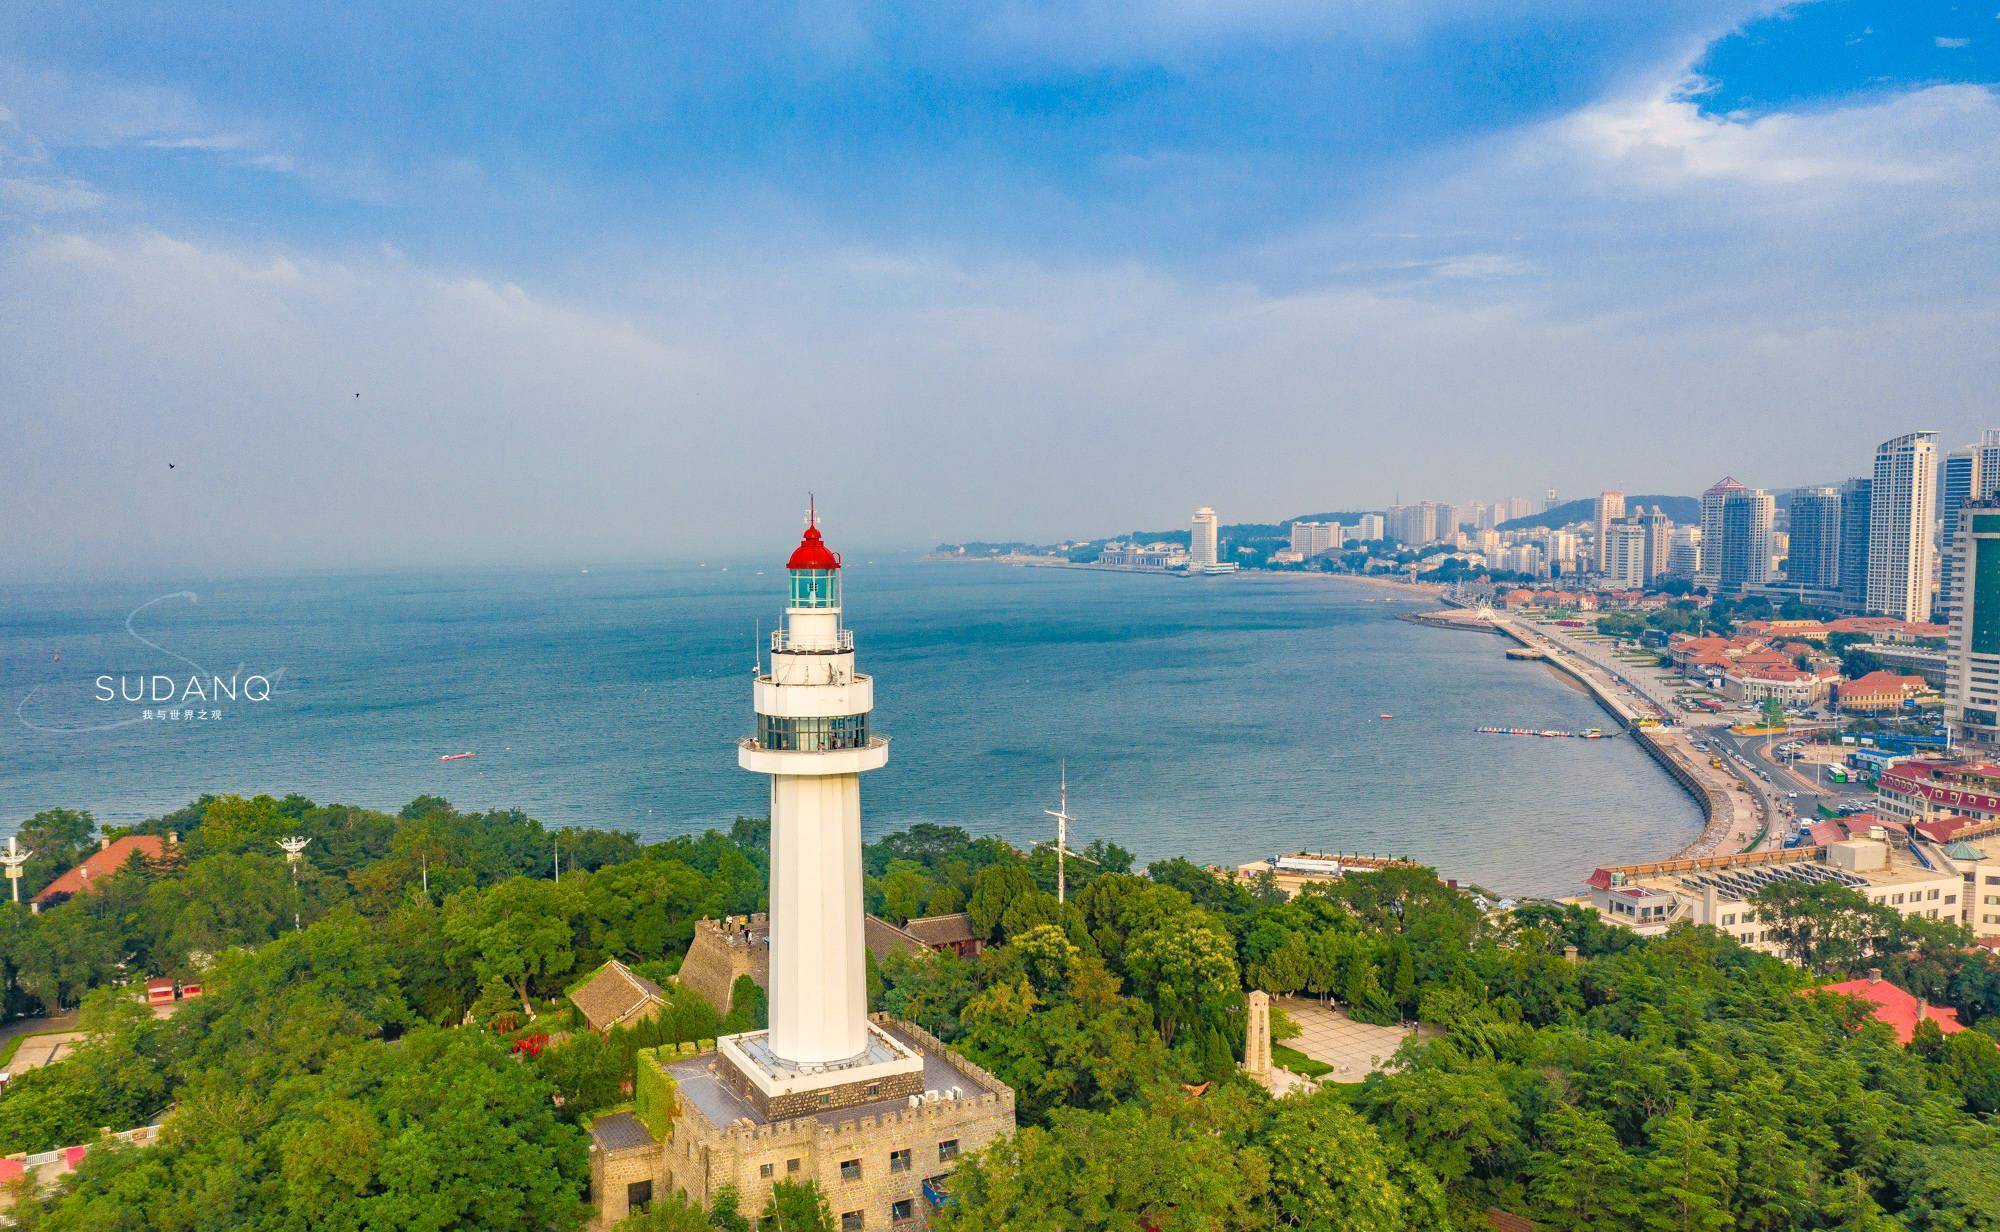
{"points": [[609, 283]]}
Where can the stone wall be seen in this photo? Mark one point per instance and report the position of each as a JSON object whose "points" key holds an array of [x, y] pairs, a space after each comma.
{"points": [[699, 1159], [722, 951], [613, 1172], [806, 1103]]}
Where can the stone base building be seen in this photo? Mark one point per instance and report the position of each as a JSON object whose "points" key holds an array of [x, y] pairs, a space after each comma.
{"points": [[882, 1157], [723, 951]]}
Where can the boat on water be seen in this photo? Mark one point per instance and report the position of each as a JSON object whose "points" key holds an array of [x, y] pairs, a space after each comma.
{"points": [[455, 756], [1385, 716]]}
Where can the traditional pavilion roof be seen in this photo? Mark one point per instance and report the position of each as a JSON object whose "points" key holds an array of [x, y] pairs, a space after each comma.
{"points": [[616, 995]]}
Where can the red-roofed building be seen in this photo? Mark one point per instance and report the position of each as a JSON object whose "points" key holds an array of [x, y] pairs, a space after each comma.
{"points": [[1880, 691], [1943, 829], [1893, 1006], [1889, 629], [1754, 678], [109, 858], [1923, 788]]}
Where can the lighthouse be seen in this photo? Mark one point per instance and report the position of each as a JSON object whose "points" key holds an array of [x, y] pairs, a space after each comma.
{"points": [[814, 743], [873, 1110]]}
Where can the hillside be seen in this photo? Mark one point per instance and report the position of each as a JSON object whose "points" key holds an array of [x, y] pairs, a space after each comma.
{"points": [[1682, 509]]}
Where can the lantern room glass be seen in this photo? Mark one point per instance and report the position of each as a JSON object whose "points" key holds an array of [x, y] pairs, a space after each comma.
{"points": [[815, 588]]}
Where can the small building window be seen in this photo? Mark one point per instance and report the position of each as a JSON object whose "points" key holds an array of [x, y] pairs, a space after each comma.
{"points": [[903, 1211], [899, 1161], [850, 1222], [947, 1150], [850, 1169], [792, 1164], [638, 1196], [764, 1170], [1729, 920]]}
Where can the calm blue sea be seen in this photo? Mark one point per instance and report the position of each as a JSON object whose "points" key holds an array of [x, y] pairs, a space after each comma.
{"points": [[1224, 718]]}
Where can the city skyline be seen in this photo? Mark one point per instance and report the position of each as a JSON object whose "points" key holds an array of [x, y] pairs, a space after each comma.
{"points": [[381, 300]]}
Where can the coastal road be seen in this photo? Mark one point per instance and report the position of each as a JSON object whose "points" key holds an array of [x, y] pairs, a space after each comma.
{"points": [[1788, 778], [1757, 814]]}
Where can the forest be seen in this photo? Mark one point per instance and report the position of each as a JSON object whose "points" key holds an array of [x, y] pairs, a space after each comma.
{"points": [[383, 1041]]}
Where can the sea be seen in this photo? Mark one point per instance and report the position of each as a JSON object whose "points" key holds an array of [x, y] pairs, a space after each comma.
{"points": [[1224, 719]]}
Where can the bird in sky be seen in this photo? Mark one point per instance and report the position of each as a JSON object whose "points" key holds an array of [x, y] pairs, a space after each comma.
{"points": [[170, 466]]}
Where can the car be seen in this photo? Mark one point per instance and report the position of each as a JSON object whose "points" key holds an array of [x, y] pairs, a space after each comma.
{"points": [[1791, 795]]}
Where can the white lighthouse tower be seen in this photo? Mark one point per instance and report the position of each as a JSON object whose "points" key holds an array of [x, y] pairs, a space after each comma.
{"points": [[814, 742]]}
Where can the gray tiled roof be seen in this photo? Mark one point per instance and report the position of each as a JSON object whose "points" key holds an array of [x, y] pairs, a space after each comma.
{"points": [[620, 1131]]}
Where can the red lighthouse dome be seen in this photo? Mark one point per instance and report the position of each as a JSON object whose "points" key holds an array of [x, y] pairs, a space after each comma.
{"points": [[812, 552]]}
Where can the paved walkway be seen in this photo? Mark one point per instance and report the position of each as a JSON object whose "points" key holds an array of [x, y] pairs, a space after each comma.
{"points": [[39, 1050], [1354, 1049]]}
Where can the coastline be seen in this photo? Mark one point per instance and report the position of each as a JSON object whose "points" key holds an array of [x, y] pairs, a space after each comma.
{"points": [[1413, 591], [1720, 815]]}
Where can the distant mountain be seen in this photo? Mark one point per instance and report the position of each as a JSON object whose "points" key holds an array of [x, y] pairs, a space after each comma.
{"points": [[1682, 509]]}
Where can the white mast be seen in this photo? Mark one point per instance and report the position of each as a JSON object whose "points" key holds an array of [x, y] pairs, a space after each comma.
{"points": [[292, 848], [16, 856], [1062, 815]]}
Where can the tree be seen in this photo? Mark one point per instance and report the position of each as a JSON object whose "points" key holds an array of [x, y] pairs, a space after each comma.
{"points": [[797, 1207], [1687, 1175], [516, 933], [1176, 1165], [1821, 925], [585, 1071], [993, 891], [749, 1009], [1972, 1062], [1453, 1121], [59, 837], [1581, 1179], [1188, 973], [673, 1213], [1331, 1172]]}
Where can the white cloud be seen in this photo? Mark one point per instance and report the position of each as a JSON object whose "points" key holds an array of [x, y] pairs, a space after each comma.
{"points": [[61, 196], [1661, 137], [1942, 41]]}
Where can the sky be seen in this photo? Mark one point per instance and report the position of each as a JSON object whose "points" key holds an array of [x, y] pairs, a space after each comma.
{"points": [[506, 284]]}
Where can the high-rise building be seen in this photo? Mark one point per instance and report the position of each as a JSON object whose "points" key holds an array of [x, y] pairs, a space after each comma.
{"points": [[1899, 526], [1813, 554], [1972, 689], [1659, 530], [1969, 474], [1413, 525], [1609, 508], [1203, 544], [1369, 527], [1623, 553], [1684, 552], [1711, 530], [1444, 521], [1856, 496], [1559, 549], [1519, 507], [1549, 500], [1744, 555], [1310, 539]]}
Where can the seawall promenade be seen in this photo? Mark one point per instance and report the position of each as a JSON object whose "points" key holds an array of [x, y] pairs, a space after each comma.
{"points": [[1733, 818]]}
